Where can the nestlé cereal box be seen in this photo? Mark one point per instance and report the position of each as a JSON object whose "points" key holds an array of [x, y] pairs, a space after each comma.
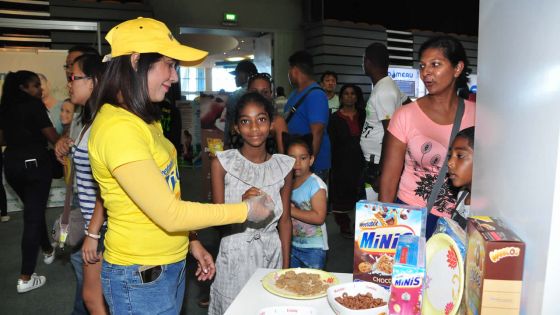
{"points": [[378, 228], [494, 268]]}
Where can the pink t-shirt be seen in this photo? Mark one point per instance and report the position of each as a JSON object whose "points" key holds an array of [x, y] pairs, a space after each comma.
{"points": [[426, 147]]}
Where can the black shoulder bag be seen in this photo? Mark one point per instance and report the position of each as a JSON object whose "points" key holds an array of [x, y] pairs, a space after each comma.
{"points": [[456, 216], [443, 171], [298, 103]]}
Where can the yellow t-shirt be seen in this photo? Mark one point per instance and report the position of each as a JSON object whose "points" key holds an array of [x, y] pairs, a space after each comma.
{"points": [[119, 137]]}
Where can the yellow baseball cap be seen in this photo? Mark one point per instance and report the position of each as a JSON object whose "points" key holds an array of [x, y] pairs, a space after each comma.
{"points": [[146, 35]]}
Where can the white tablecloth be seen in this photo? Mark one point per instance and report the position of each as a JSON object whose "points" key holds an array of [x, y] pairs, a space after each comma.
{"points": [[254, 297]]}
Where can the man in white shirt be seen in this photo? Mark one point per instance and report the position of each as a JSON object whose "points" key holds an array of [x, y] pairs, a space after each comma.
{"points": [[385, 98], [328, 83], [280, 100]]}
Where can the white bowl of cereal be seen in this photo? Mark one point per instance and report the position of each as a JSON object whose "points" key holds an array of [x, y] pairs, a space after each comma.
{"points": [[288, 310], [356, 298]]}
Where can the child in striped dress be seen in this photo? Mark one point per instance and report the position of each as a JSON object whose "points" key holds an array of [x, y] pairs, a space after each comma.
{"points": [[86, 71]]}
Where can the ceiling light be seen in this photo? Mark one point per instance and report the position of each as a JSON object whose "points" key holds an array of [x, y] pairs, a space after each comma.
{"points": [[234, 59]]}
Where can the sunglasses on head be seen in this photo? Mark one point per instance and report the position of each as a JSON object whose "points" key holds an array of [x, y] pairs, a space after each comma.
{"points": [[262, 75]]}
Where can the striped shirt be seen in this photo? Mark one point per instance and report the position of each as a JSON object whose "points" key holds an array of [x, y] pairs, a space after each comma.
{"points": [[87, 186]]}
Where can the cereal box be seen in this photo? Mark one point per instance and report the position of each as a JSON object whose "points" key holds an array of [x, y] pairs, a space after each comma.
{"points": [[408, 276], [494, 268], [378, 228]]}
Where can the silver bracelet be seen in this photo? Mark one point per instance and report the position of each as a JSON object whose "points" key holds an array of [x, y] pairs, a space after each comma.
{"points": [[94, 236]]}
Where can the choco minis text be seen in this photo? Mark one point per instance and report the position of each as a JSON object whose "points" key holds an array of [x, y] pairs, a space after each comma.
{"points": [[378, 228]]}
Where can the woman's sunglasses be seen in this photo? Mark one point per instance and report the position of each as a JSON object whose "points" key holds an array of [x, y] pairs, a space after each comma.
{"points": [[262, 75]]}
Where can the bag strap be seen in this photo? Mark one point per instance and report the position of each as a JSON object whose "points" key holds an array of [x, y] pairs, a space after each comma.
{"points": [[68, 196], [456, 216], [298, 103], [443, 171], [69, 185]]}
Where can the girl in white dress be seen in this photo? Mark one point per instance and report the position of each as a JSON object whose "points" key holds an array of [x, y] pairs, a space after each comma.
{"points": [[241, 173]]}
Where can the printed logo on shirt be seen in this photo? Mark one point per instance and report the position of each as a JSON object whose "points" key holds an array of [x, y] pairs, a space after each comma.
{"points": [[367, 129], [171, 175]]}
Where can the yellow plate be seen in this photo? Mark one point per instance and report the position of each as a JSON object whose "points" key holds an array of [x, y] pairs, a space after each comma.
{"points": [[443, 286], [269, 283]]}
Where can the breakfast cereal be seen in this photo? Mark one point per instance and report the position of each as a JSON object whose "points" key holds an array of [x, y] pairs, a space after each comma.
{"points": [[494, 268], [360, 301], [408, 276], [302, 283], [378, 228]]}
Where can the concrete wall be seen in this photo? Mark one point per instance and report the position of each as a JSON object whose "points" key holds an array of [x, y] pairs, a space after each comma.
{"points": [[339, 47], [281, 18]]}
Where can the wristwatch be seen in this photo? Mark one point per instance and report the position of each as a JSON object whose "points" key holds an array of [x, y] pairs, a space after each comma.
{"points": [[193, 236], [94, 236]]}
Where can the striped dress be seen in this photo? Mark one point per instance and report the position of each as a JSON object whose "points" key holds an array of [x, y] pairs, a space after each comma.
{"points": [[85, 184]]}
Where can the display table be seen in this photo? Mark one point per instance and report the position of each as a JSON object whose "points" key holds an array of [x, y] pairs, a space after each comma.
{"points": [[254, 296]]}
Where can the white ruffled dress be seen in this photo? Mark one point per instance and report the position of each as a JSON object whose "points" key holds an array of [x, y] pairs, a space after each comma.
{"points": [[247, 246]]}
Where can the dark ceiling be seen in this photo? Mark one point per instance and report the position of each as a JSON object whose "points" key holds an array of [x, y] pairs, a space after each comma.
{"points": [[451, 16]]}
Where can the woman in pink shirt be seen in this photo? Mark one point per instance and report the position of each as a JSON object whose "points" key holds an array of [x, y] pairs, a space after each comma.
{"points": [[418, 137]]}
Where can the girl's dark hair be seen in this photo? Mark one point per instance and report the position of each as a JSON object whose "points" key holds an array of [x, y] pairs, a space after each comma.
{"points": [[467, 133], [304, 140], [453, 51], [11, 91], [256, 98], [263, 76], [463, 91], [93, 67], [121, 80], [253, 97], [360, 103], [87, 50]]}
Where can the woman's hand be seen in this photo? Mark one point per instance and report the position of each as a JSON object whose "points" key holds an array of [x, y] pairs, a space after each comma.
{"points": [[206, 268], [251, 192], [62, 148], [89, 251], [259, 208]]}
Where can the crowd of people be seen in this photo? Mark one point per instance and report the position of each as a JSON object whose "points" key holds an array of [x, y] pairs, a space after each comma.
{"points": [[272, 187]]}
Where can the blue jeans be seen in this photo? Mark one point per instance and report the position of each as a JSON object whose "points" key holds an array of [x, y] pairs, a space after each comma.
{"points": [[308, 258], [77, 262], [431, 224], [125, 293]]}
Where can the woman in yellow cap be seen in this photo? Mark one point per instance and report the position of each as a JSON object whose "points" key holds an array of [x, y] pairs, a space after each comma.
{"points": [[136, 167]]}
